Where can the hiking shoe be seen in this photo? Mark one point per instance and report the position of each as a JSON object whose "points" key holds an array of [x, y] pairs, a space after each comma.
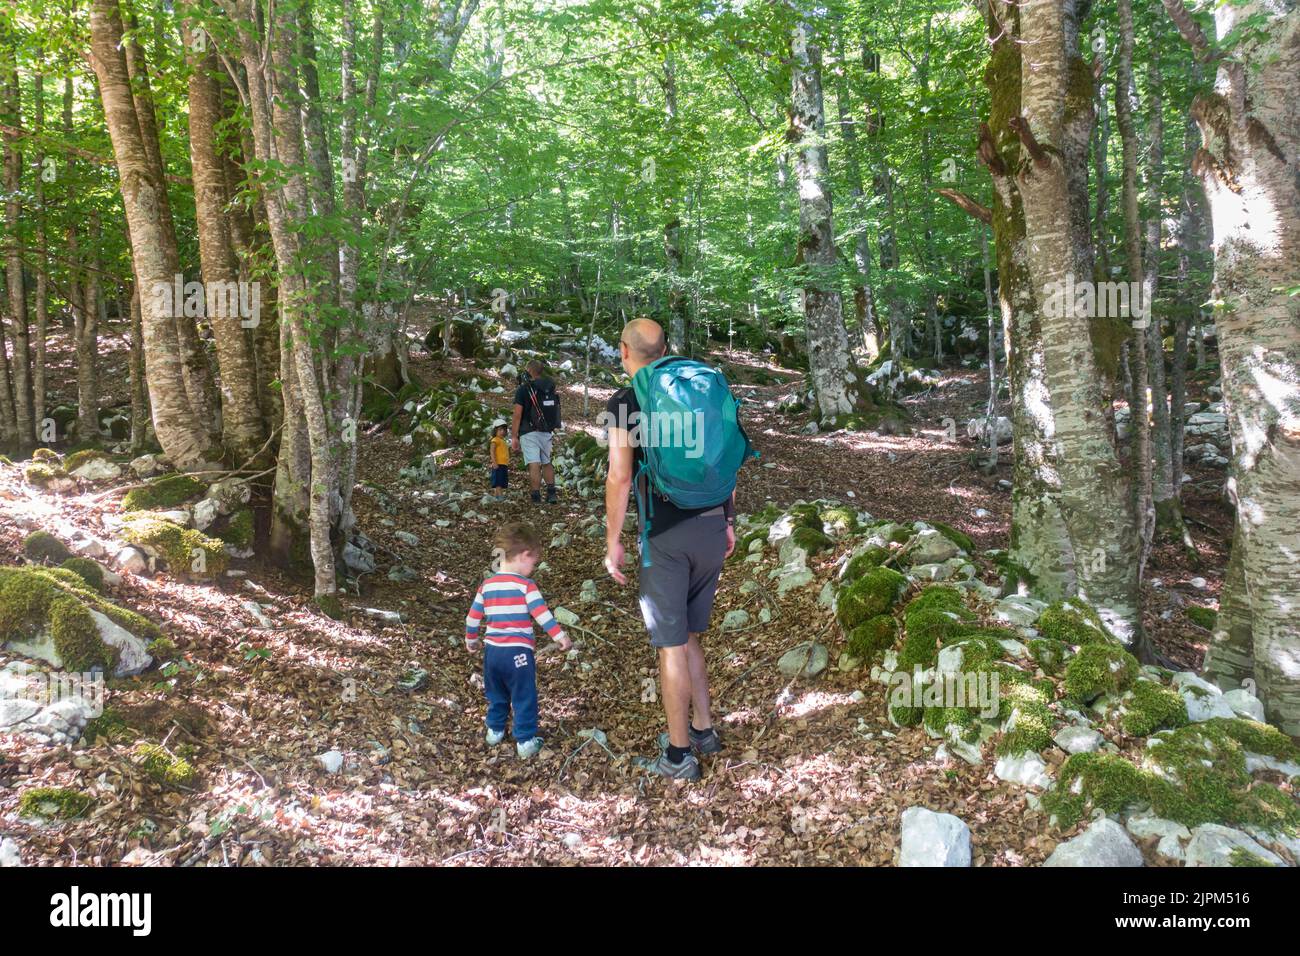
{"points": [[494, 737], [551, 497], [703, 743], [537, 497], [688, 769], [528, 748]]}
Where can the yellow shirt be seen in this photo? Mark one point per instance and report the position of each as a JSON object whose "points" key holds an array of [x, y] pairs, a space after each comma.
{"points": [[500, 451]]}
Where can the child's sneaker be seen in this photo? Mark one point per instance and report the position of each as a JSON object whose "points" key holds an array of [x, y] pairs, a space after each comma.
{"points": [[528, 748], [494, 737]]}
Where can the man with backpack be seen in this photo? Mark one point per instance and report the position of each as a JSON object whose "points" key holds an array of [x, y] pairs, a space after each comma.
{"points": [[675, 443], [536, 418]]}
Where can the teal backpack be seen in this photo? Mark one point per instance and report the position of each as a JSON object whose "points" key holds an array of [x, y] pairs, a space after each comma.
{"points": [[691, 438]]}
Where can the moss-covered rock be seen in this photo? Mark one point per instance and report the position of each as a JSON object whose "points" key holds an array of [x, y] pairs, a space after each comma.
{"points": [[1099, 669], [1149, 707], [1202, 616], [39, 474], [330, 606], [57, 601], [870, 639], [53, 803], [47, 455], [165, 767], [840, 520], [812, 540], [952, 534], [1049, 654], [959, 722], [864, 561], [1029, 719], [185, 550], [78, 458], [162, 493], [1193, 775], [110, 725], [1074, 624], [43, 548], [874, 593], [87, 569], [240, 530]]}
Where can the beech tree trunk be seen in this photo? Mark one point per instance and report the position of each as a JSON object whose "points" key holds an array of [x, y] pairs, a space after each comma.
{"points": [[1094, 493], [1250, 130], [183, 436], [829, 359]]}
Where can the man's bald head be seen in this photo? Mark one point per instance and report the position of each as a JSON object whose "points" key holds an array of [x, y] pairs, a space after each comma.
{"points": [[645, 340]]}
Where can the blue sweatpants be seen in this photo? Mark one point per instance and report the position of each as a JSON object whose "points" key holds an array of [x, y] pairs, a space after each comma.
{"points": [[510, 682]]}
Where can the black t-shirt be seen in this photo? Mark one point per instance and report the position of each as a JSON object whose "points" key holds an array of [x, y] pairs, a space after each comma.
{"points": [[525, 400], [622, 405]]}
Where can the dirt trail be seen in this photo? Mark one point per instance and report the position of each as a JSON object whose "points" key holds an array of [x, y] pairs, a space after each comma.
{"points": [[809, 774]]}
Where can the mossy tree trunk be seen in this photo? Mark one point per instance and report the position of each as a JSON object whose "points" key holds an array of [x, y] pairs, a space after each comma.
{"points": [[1056, 90], [24, 419]]}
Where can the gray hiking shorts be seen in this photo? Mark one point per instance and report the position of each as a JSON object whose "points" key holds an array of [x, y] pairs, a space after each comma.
{"points": [[677, 589]]}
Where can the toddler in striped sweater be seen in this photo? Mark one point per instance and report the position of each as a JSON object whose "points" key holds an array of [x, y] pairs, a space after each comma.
{"points": [[508, 602]]}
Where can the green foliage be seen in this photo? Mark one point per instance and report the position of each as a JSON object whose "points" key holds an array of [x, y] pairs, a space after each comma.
{"points": [[1202, 616]]}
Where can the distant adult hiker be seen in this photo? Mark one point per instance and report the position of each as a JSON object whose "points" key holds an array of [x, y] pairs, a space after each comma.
{"points": [[537, 417], [676, 444]]}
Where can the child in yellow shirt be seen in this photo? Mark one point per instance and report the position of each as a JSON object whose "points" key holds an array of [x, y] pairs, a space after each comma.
{"points": [[499, 461]]}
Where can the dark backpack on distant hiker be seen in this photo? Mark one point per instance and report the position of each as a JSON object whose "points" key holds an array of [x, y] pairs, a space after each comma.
{"points": [[669, 391], [543, 406]]}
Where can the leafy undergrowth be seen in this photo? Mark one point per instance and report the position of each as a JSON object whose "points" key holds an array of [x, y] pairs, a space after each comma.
{"points": [[213, 758]]}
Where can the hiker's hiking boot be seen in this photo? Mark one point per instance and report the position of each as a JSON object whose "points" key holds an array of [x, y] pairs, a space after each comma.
{"points": [[704, 743], [537, 497], [688, 769], [494, 737], [551, 497], [528, 748]]}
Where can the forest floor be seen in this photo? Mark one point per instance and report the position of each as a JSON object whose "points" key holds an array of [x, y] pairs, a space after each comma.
{"points": [[809, 774]]}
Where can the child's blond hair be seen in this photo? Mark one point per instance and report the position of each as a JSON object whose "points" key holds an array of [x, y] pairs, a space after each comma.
{"points": [[517, 538]]}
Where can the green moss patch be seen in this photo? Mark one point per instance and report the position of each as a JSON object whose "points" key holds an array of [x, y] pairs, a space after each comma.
{"points": [[1150, 707], [843, 520], [870, 639], [186, 550], [868, 560], [1099, 669], [873, 594], [47, 455], [1193, 775], [952, 534], [39, 474], [165, 767], [33, 599], [1202, 616], [240, 530], [1030, 719], [1049, 654], [43, 548], [162, 493], [1075, 624], [78, 458], [53, 803], [87, 569]]}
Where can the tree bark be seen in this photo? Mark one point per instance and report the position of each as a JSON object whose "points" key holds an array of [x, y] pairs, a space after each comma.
{"points": [[830, 361], [182, 435], [1094, 497], [24, 420], [1250, 130]]}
